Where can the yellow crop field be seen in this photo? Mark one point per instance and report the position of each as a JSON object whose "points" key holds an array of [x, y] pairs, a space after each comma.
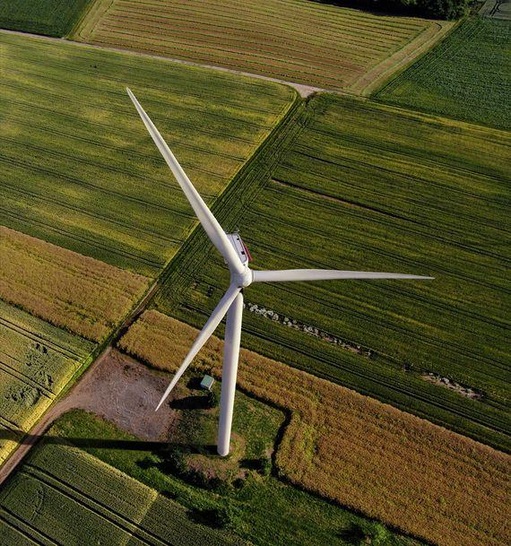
{"points": [[78, 293], [37, 362], [390, 465], [307, 42]]}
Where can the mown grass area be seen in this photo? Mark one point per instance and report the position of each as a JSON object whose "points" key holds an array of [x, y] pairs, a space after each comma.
{"points": [[37, 361], [466, 76], [264, 510], [75, 292], [50, 17], [367, 187], [387, 464], [268, 37], [78, 167], [69, 497]]}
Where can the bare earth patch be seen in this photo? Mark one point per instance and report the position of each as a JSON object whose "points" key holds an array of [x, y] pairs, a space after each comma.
{"points": [[126, 393]]}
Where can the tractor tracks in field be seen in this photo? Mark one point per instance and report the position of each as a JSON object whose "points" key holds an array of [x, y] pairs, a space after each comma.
{"points": [[71, 401], [77, 396]]}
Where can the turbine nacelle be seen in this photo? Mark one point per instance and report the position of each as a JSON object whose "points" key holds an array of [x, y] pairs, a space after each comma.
{"points": [[243, 278], [237, 258]]}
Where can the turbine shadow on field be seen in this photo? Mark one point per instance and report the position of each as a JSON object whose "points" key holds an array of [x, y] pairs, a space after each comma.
{"points": [[103, 443]]}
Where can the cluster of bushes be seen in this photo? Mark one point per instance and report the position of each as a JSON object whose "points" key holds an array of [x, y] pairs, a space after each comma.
{"points": [[438, 9], [173, 461], [442, 9]]}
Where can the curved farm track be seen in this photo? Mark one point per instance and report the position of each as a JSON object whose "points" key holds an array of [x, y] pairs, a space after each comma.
{"points": [[117, 388]]}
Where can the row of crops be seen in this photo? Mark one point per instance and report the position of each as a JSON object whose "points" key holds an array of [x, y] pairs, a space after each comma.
{"points": [[336, 438], [435, 208], [78, 168], [49, 17], [62, 495], [466, 76], [272, 38], [37, 361], [353, 190]]}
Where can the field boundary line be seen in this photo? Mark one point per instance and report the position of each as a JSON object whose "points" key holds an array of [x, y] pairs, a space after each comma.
{"points": [[303, 89], [402, 59]]}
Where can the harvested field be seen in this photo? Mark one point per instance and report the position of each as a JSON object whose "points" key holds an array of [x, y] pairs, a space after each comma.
{"points": [[37, 360], [390, 465], [78, 167], [347, 49], [78, 293]]}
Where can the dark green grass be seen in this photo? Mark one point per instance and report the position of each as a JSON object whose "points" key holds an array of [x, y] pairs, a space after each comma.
{"points": [[467, 76], [50, 17], [266, 511], [79, 168], [366, 187]]}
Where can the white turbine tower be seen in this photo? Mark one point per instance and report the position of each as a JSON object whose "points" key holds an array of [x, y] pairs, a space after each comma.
{"points": [[236, 256]]}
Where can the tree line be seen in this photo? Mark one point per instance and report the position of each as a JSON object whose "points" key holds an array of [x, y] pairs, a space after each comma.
{"points": [[438, 9]]}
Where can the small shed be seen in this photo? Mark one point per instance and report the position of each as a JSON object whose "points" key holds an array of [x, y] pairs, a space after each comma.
{"points": [[207, 382]]}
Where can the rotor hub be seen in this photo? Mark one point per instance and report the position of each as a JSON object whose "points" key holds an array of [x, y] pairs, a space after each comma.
{"points": [[243, 279]]}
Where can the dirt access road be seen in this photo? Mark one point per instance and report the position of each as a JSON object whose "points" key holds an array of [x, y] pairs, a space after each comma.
{"points": [[115, 387]]}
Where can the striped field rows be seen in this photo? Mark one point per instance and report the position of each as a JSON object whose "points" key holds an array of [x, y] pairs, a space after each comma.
{"points": [[65, 496], [37, 361], [294, 40], [78, 168]]}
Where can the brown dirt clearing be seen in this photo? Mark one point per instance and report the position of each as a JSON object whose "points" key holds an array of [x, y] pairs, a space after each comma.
{"points": [[126, 393]]}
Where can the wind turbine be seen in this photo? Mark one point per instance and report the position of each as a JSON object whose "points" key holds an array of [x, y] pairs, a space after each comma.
{"points": [[237, 258]]}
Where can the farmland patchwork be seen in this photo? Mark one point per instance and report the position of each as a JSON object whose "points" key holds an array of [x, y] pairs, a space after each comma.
{"points": [[78, 168], [300, 41], [355, 450], [70, 497], [78, 293], [368, 187]]}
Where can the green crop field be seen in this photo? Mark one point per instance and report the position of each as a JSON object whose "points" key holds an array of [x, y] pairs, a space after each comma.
{"points": [[50, 17], [62, 495], [367, 187], [311, 43], [37, 361], [265, 510], [466, 76], [78, 167]]}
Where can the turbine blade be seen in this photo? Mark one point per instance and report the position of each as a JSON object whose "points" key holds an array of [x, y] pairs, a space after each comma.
{"points": [[325, 274], [206, 332], [229, 373], [210, 224]]}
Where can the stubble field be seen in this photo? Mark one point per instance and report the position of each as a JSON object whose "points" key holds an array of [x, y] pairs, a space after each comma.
{"points": [[300, 41]]}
